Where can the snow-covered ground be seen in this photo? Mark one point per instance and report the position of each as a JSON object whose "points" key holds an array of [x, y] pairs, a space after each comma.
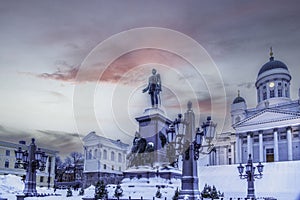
{"points": [[280, 180]]}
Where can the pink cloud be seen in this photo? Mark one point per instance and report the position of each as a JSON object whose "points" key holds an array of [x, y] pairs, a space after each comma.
{"points": [[120, 69]]}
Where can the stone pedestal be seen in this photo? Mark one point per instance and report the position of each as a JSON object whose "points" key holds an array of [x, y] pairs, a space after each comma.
{"points": [[152, 126], [20, 196]]}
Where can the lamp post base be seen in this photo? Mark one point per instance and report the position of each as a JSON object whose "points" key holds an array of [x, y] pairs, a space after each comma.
{"points": [[189, 195], [189, 180]]}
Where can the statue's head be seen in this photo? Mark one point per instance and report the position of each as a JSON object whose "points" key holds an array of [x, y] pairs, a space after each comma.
{"points": [[137, 134], [153, 71]]}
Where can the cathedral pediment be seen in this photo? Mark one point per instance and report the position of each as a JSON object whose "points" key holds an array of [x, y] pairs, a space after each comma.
{"points": [[269, 116]]}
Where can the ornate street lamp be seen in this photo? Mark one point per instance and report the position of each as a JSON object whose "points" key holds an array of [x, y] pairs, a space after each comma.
{"points": [[250, 175], [186, 140], [31, 160]]}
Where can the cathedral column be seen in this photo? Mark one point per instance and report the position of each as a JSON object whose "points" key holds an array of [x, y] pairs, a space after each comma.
{"points": [[261, 147], [289, 143], [232, 153], [249, 144], [218, 156], [237, 149], [225, 155], [215, 157], [276, 154]]}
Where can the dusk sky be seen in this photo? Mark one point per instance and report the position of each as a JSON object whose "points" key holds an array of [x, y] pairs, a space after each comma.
{"points": [[72, 67]]}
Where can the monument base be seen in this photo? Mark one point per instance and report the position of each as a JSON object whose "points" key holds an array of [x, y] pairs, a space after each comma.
{"points": [[147, 172]]}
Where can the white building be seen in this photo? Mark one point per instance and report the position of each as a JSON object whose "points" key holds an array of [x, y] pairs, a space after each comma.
{"points": [[8, 160], [104, 159], [270, 131]]}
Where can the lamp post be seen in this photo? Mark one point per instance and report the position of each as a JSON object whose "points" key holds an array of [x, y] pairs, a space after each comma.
{"points": [[250, 175], [186, 140], [31, 160]]}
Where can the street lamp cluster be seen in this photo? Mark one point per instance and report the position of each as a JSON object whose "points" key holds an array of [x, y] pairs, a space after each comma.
{"points": [[181, 142], [31, 160], [250, 175]]}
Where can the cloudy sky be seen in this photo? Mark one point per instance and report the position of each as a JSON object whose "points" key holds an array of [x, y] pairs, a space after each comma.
{"points": [[71, 67]]}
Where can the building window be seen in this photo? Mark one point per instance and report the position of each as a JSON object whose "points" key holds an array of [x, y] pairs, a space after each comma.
{"points": [[41, 179], [104, 166], [272, 94], [112, 167], [112, 156], [95, 153], [7, 153], [120, 169], [283, 137], [237, 119], [120, 157], [229, 161], [279, 92], [6, 164], [90, 154], [264, 95], [104, 154]]}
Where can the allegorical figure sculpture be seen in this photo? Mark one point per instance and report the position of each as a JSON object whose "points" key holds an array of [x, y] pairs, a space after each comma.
{"points": [[154, 88]]}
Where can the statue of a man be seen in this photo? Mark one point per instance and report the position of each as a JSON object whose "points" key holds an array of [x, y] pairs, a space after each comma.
{"points": [[154, 88]]}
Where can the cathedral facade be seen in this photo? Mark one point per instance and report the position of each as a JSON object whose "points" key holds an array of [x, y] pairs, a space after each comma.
{"points": [[270, 131]]}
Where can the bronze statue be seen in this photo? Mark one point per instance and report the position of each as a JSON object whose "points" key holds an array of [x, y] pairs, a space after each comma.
{"points": [[154, 88]]}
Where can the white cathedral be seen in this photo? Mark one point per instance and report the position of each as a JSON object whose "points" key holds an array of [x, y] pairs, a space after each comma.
{"points": [[270, 131]]}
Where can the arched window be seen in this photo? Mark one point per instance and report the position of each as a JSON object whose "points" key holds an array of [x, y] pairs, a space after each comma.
{"points": [[104, 154], [264, 95], [90, 154], [237, 119], [272, 94], [279, 92], [95, 153], [104, 166], [112, 156], [119, 157]]}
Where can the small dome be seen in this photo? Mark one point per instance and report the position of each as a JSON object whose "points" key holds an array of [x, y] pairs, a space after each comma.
{"points": [[238, 99], [272, 64]]}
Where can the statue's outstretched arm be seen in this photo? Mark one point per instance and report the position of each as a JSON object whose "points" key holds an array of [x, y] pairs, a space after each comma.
{"points": [[146, 89]]}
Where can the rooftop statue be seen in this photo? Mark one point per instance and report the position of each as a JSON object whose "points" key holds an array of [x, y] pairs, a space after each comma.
{"points": [[154, 88]]}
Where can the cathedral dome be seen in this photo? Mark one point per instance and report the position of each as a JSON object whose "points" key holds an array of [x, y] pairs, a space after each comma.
{"points": [[272, 68], [273, 82], [272, 64]]}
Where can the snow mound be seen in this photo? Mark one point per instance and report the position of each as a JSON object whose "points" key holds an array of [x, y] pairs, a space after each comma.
{"points": [[11, 184]]}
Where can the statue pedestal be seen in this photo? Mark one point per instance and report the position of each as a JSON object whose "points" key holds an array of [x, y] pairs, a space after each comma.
{"points": [[152, 126]]}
